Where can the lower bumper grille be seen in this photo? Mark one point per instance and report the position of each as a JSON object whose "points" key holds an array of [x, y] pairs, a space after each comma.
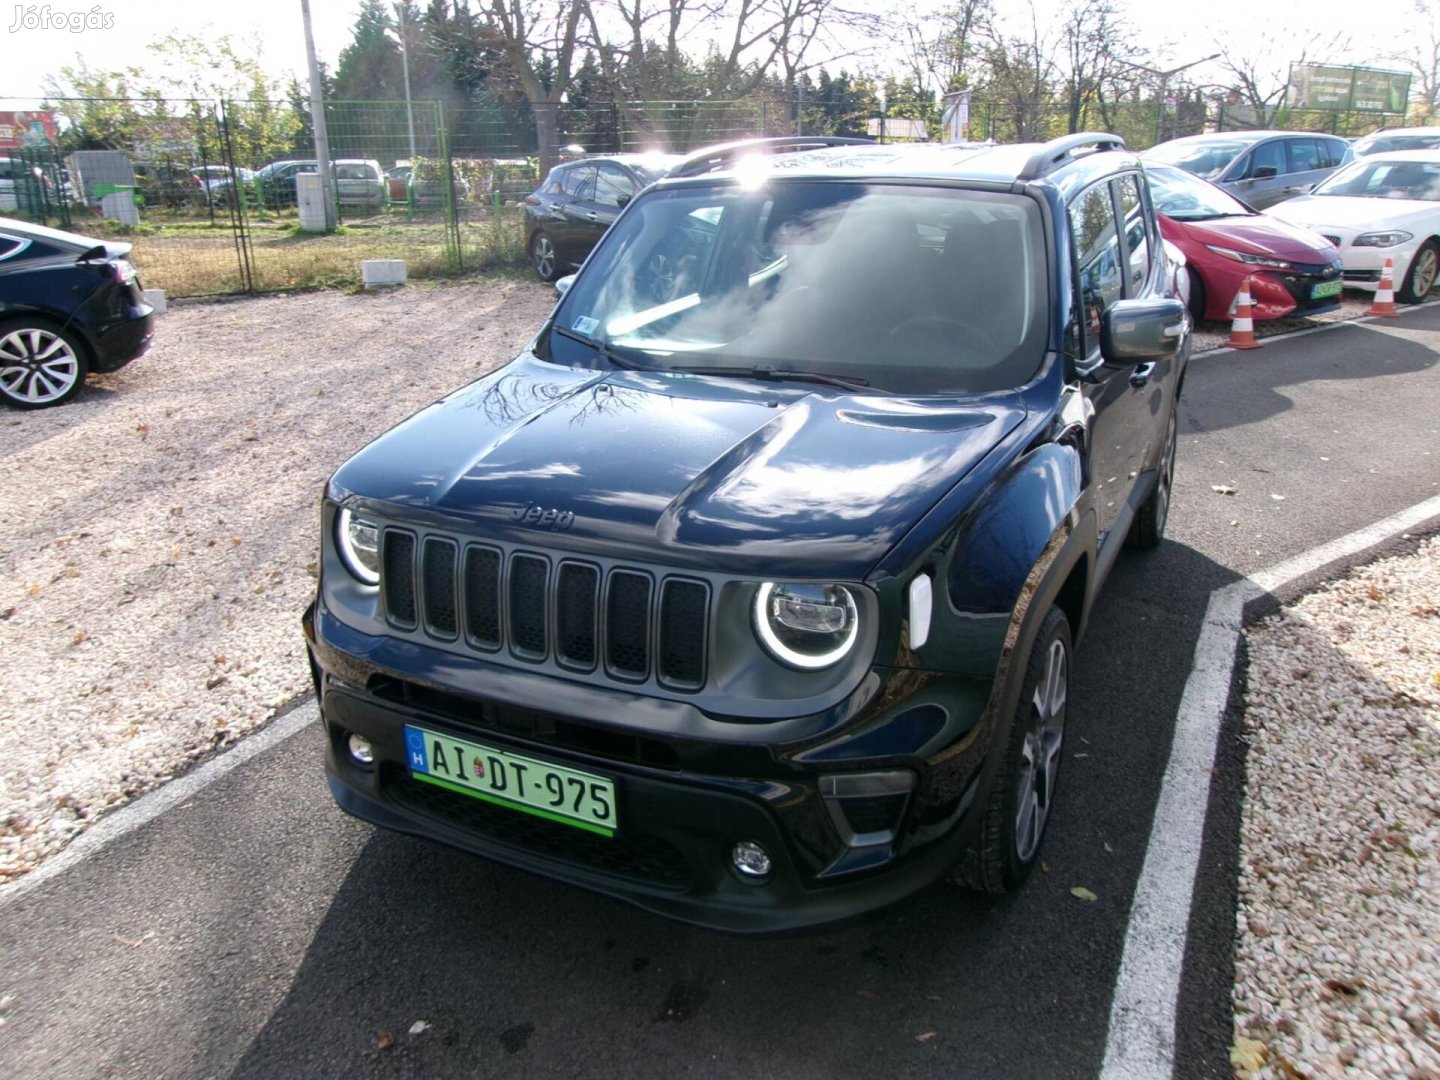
{"points": [[1362, 275], [645, 859]]}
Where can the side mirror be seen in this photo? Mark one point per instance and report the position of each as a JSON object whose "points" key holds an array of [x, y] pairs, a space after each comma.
{"points": [[1265, 172], [1138, 331], [562, 286], [623, 201]]}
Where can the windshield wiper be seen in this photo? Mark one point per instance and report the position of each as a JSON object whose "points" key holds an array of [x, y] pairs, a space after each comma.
{"points": [[606, 350], [766, 373]]}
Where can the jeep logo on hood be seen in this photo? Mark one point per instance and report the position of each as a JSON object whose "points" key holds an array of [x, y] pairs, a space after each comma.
{"points": [[541, 518]]}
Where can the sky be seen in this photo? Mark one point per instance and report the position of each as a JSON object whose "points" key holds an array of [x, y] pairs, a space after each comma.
{"points": [[28, 55]]}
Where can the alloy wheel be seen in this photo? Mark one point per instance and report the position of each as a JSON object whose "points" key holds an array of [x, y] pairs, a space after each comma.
{"points": [[544, 255], [37, 367], [1422, 278], [1167, 474], [1040, 752]]}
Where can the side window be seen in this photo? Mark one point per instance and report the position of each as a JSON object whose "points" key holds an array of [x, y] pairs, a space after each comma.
{"points": [[1097, 257], [1268, 155], [572, 180], [1137, 234], [1238, 171], [9, 246], [581, 184], [611, 184], [1303, 154], [1332, 153]]}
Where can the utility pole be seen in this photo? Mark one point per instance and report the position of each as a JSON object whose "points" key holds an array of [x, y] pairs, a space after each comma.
{"points": [[317, 120], [405, 66]]}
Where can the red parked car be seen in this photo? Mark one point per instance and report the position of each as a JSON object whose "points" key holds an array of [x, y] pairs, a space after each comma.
{"points": [[1294, 271]]}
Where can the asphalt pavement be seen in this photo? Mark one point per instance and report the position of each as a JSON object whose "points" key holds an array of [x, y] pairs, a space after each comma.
{"points": [[255, 931]]}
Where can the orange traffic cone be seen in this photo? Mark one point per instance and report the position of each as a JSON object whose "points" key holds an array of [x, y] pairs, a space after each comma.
{"points": [[1385, 295], [1242, 329]]}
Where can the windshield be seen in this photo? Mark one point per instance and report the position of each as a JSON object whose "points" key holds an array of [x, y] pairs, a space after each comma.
{"points": [[1185, 197], [1205, 159], [909, 289], [1380, 144], [1386, 180]]}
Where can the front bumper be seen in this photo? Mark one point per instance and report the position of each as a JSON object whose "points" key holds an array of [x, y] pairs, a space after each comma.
{"points": [[1364, 264], [682, 802]]}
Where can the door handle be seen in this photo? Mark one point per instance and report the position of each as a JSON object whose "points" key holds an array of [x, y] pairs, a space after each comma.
{"points": [[592, 215], [1141, 375]]}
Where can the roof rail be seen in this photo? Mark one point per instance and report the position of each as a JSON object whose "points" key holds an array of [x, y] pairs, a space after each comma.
{"points": [[717, 157], [1057, 152]]}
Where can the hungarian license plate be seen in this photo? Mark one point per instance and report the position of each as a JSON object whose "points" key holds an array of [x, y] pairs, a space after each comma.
{"points": [[522, 783], [1324, 289]]}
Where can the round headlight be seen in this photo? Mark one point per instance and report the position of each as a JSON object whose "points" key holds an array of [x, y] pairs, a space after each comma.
{"points": [[358, 542], [806, 626]]}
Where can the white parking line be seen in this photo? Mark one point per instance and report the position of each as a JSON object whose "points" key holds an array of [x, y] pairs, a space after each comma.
{"points": [[1140, 1044], [148, 807], [1359, 320]]}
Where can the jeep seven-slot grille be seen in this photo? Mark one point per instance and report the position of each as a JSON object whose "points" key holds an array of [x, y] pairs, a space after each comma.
{"points": [[625, 623]]}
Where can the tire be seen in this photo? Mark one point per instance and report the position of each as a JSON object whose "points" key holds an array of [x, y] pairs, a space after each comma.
{"points": [[1421, 274], [543, 256], [1022, 794], [40, 366], [1148, 528], [1198, 299]]}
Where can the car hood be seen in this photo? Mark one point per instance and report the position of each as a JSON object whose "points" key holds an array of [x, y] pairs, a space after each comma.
{"points": [[726, 474], [1354, 212], [1259, 234]]}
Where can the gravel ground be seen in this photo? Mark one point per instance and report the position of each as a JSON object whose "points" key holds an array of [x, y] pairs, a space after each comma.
{"points": [[1338, 958], [159, 533]]}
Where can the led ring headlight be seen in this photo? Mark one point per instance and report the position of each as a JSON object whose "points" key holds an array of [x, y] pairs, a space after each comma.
{"points": [[806, 626], [358, 543]]}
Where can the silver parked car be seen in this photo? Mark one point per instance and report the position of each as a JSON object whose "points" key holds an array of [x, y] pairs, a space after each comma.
{"points": [[1260, 168]]}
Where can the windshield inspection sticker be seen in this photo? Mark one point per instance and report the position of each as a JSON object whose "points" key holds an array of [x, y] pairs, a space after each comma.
{"points": [[585, 325]]}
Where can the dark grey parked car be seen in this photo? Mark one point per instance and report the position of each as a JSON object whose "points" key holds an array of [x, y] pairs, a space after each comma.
{"points": [[1260, 168], [566, 216]]}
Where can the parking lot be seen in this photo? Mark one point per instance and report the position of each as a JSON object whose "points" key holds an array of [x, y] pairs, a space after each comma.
{"points": [[166, 524]]}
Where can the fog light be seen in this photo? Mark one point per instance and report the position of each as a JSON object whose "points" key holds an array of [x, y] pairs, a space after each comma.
{"points": [[750, 859], [360, 750]]}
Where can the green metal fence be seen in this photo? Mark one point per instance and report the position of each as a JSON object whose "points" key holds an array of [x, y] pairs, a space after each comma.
{"points": [[210, 193]]}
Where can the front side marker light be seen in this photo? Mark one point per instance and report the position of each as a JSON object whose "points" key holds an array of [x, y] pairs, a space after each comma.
{"points": [[920, 609]]}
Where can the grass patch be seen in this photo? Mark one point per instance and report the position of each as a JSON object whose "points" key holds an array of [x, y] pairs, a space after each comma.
{"points": [[193, 257]]}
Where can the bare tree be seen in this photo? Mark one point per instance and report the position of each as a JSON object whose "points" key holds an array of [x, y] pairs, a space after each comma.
{"points": [[1258, 64], [1423, 56], [522, 31], [1097, 54], [944, 48]]}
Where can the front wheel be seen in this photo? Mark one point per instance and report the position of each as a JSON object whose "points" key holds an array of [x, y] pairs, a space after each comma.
{"points": [[39, 366], [1420, 277], [1023, 792], [543, 257], [1198, 300]]}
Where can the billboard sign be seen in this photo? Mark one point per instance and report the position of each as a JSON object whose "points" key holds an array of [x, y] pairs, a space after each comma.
{"points": [[34, 127], [955, 117], [1348, 89]]}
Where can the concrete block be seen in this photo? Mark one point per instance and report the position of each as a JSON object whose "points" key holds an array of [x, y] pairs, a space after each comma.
{"points": [[375, 272], [156, 299]]}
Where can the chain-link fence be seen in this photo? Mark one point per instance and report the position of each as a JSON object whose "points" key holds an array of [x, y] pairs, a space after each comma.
{"points": [[206, 191]]}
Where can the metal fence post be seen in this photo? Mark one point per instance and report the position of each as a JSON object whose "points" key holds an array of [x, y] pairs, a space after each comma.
{"points": [[452, 210]]}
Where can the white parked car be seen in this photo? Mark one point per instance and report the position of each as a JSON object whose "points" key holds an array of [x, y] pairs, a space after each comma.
{"points": [[1388, 139], [1384, 204]]}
